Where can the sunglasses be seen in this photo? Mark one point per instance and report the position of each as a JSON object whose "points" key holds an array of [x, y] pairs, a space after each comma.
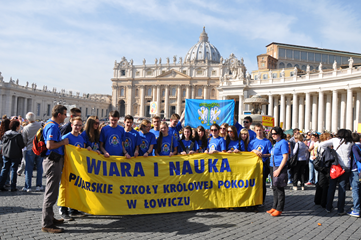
{"points": [[223, 128], [274, 133], [214, 130], [230, 131], [245, 122]]}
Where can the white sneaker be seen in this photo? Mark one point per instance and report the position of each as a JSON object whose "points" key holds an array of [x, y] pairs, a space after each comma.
{"points": [[24, 189], [29, 190], [39, 189]]}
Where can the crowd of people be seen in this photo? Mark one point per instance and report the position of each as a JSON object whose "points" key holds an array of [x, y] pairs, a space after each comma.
{"points": [[157, 138]]}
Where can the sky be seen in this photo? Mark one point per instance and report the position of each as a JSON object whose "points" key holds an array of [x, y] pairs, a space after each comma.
{"points": [[72, 45]]}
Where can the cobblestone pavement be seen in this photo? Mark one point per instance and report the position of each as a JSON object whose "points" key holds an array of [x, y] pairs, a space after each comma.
{"points": [[20, 218]]}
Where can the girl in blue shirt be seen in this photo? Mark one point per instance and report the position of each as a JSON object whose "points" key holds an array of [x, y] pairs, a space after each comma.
{"points": [[187, 141], [233, 144], [91, 134], [166, 144], [244, 137], [147, 139], [202, 139], [216, 143]]}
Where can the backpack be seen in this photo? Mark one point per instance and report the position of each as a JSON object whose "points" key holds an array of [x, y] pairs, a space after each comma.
{"points": [[186, 149], [39, 146], [323, 161]]}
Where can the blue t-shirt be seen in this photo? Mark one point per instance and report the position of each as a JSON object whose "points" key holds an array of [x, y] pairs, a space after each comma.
{"points": [[156, 134], [251, 133], [75, 141], [166, 144], [52, 132], [200, 148], [280, 148], [218, 144], [88, 143], [175, 131], [264, 146], [112, 139], [132, 140], [145, 141], [187, 144], [236, 145]]}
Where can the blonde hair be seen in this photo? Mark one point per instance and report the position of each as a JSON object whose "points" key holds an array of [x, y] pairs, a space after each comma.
{"points": [[299, 137], [244, 131], [144, 123]]}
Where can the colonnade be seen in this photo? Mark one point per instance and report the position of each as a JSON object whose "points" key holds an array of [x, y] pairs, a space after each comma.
{"points": [[317, 111]]}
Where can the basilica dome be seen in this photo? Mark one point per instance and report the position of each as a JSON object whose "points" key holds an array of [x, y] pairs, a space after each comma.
{"points": [[203, 50]]}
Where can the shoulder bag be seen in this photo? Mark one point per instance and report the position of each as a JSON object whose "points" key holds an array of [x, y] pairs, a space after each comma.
{"points": [[281, 180], [292, 162]]}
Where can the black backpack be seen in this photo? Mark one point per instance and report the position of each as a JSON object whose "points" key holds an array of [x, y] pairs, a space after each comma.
{"points": [[186, 149], [323, 161]]}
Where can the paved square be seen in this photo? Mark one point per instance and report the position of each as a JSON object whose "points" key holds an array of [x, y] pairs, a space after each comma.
{"points": [[20, 218]]}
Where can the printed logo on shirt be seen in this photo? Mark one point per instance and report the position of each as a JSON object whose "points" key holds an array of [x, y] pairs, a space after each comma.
{"points": [[95, 146], [165, 148], [114, 140], [259, 148], [51, 136], [176, 136], [127, 143], [78, 144], [200, 150], [212, 147], [144, 145], [232, 149]]}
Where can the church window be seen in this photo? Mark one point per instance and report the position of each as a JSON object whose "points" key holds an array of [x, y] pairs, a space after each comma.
{"points": [[304, 56], [173, 91], [184, 72], [281, 53], [297, 66], [184, 93], [264, 76], [318, 57], [296, 54], [303, 67], [325, 58], [149, 92], [199, 72], [282, 65], [163, 93], [214, 73], [137, 74], [199, 93], [122, 72], [122, 92], [311, 57], [149, 73], [274, 75], [289, 53], [289, 65]]}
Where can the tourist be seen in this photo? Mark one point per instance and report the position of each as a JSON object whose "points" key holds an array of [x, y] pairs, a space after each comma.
{"points": [[279, 156], [167, 144], [112, 137], [233, 144], [155, 130], [187, 145], [223, 130], [262, 147], [28, 134], [216, 143], [147, 139], [354, 176], [13, 144], [175, 125], [301, 150], [313, 173], [91, 133], [53, 166], [132, 139], [343, 145], [201, 139], [3, 128]]}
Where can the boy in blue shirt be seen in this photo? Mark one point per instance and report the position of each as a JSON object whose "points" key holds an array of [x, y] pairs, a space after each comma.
{"points": [[132, 139], [155, 130], [112, 137], [175, 125], [247, 122]]}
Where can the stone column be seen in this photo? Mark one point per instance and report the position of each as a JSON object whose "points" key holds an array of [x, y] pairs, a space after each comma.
{"points": [[240, 108], [179, 99], [307, 111], [301, 113], [328, 111], [334, 111], [314, 112], [283, 110], [154, 97], [129, 100], [158, 100], [349, 111], [357, 110], [205, 92], [343, 111], [142, 96], [114, 97], [193, 92], [16, 106], [275, 111], [320, 111], [295, 111], [288, 113], [188, 91], [270, 106], [166, 102], [264, 109]]}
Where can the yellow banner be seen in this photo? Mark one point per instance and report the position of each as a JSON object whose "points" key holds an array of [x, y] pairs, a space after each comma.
{"points": [[119, 186], [268, 121]]}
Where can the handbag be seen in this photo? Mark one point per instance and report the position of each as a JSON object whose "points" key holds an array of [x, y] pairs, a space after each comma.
{"points": [[292, 162], [281, 180], [336, 170]]}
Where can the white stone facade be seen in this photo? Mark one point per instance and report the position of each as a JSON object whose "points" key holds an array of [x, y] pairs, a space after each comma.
{"points": [[16, 99], [169, 83]]}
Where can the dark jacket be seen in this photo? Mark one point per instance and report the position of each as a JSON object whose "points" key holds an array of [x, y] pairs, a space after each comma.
{"points": [[66, 128], [13, 144]]}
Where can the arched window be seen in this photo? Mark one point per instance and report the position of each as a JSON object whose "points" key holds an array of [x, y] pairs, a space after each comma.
{"points": [[173, 91], [311, 68], [289, 65], [297, 66], [122, 92], [149, 92], [199, 93], [282, 65], [304, 68]]}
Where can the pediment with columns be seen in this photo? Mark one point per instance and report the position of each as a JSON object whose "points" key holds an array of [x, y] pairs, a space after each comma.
{"points": [[173, 74]]}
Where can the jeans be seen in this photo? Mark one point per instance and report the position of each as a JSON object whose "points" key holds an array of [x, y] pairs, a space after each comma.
{"points": [[313, 173], [12, 166], [30, 157], [279, 196], [356, 190], [341, 192]]}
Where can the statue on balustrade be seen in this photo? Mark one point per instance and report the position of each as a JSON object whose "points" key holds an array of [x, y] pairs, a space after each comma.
{"points": [[350, 62], [334, 66]]}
